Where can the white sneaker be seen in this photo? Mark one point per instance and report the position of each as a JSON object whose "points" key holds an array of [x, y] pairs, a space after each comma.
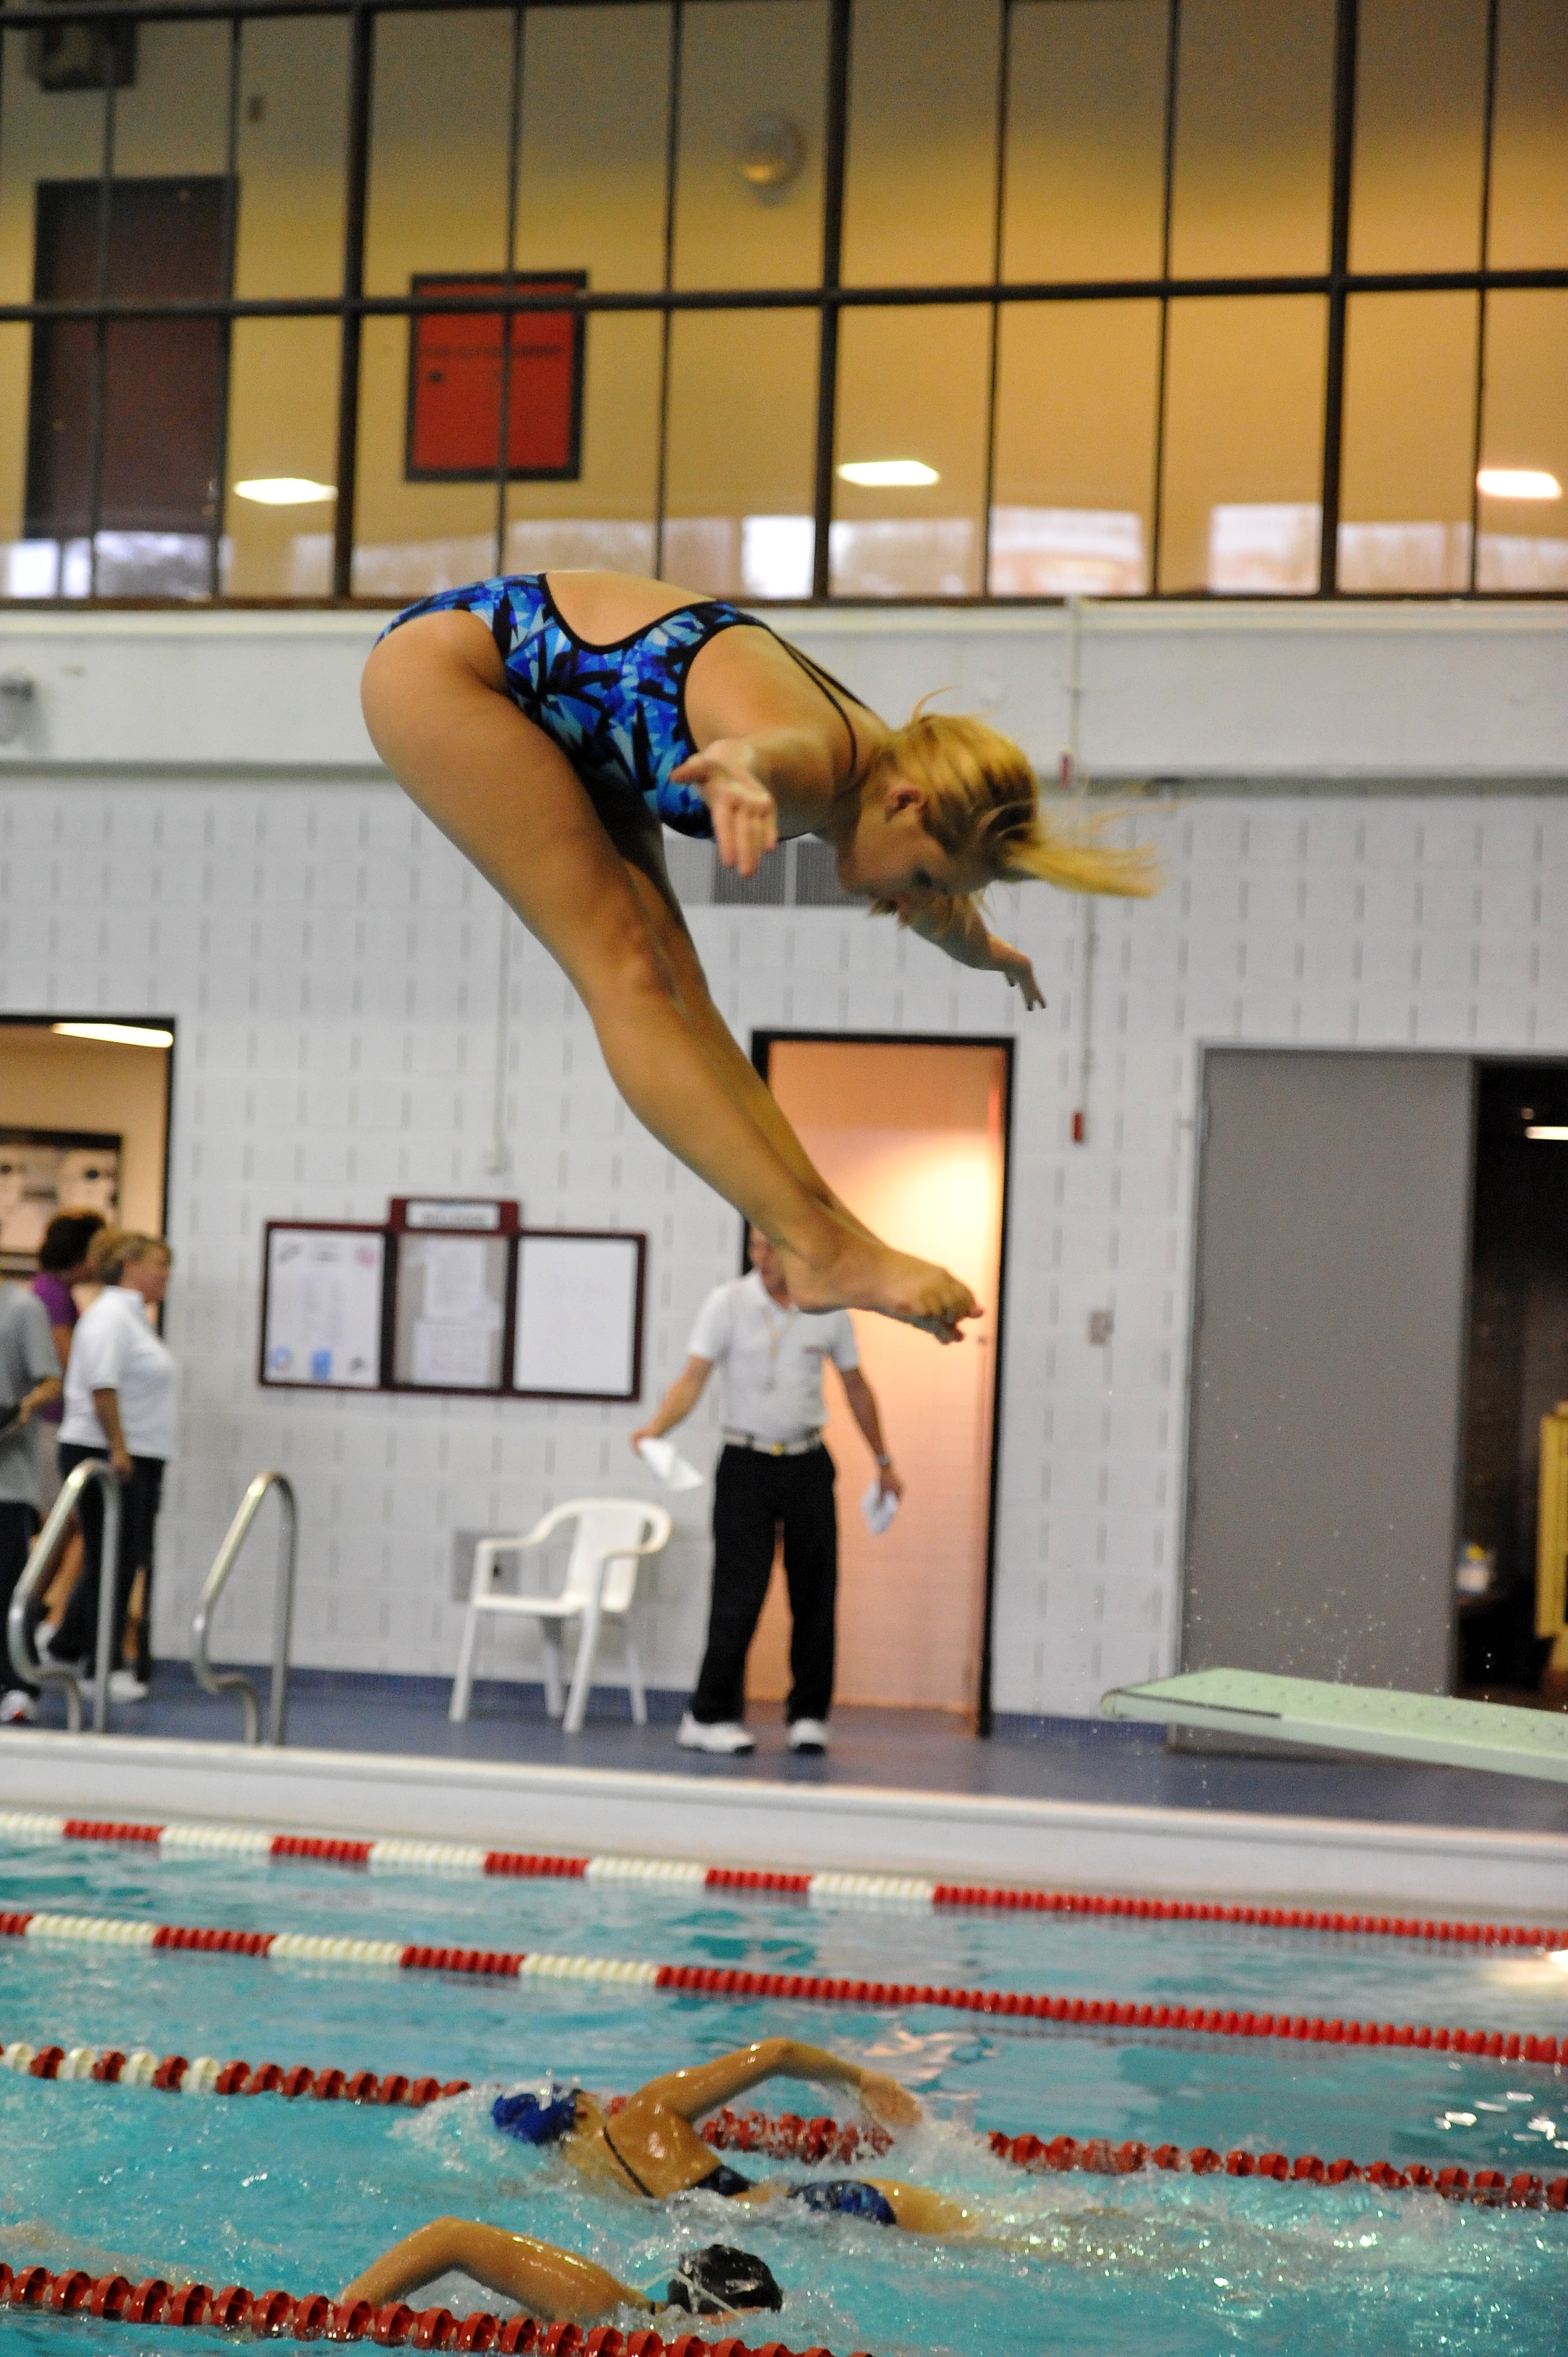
{"points": [[124, 1685], [726, 1735], [809, 1735], [17, 1705]]}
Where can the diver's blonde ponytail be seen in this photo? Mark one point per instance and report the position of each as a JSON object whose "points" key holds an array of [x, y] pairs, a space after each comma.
{"points": [[983, 802]]}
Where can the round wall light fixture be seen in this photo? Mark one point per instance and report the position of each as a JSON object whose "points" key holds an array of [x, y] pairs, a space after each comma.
{"points": [[769, 154]]}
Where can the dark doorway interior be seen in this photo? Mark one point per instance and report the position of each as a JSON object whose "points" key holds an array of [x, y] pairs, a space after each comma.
{"points": [[126, 417], [1519, 1359]]}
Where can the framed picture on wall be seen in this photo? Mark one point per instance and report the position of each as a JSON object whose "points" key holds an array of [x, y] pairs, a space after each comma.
{"points": [[43, 1171], [322, 1306], [579, 1314], [455, 384]]}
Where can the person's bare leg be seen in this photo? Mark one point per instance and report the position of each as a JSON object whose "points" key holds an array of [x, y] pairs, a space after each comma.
{"points": [[509, 800], [724, 1050]]}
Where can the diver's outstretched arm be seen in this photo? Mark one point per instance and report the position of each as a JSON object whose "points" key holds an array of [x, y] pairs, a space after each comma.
{"points": [[955, 926], [550, 2283], [708, 2085]]}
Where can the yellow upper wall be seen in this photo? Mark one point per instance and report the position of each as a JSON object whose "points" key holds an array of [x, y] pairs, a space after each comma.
{"points": [[1082, 180]]}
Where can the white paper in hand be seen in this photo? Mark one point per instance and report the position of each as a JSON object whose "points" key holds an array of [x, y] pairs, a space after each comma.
{"points": [[878, 1506], [662, 1458]]}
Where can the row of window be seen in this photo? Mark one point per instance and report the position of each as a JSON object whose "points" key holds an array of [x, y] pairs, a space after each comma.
{"points": [[1194, 193]]}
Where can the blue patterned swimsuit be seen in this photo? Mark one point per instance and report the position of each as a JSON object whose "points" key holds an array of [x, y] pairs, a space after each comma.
{"points": [[618, 712]]}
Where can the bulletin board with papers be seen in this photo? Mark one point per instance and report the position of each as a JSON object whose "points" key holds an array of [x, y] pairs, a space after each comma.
{"points": [[451, 1312], [322, 1306], [453, 1296]]}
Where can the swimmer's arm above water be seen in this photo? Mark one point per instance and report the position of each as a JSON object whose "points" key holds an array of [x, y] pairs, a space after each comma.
{"points": [[955, 926], [555, 2285], [708, 2085]]}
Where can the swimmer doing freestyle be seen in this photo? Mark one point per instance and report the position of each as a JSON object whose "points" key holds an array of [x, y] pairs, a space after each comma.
{"points": [[549, 724], [650, 2149]]}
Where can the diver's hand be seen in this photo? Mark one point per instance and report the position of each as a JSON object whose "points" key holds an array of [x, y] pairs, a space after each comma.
{"points": [[1017, 970], [888, 2101], [745, 814]]}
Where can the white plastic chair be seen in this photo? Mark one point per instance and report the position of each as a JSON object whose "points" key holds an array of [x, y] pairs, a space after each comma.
{"points": [[613, 1534]]}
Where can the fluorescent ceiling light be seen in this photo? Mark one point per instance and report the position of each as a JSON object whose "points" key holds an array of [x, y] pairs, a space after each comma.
{"points": [[1554, 1131], [119, 1035], [888, 474], [285, 490], [1518, 483]]}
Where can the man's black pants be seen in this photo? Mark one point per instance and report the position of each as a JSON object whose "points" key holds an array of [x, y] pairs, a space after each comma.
{"points": [[753, 1494]]}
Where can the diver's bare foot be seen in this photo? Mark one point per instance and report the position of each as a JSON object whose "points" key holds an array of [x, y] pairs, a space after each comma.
{"points": [[862, 1273]]}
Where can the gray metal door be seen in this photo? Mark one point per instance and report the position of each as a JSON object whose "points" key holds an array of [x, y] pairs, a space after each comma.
{"points": [[1326, 1437]]}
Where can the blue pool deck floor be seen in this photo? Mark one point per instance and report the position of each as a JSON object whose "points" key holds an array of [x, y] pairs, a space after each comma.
{"points": [[910, 1750]]}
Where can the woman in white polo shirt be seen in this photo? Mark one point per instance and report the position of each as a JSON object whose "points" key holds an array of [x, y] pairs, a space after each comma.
{"points": [[122, 1401]]}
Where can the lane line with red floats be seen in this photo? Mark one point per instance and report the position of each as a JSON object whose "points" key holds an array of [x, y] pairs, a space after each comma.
{"points": [[788, 2138], [709, 1980], [785, 2136], [316, 2316], [394, 1856]]}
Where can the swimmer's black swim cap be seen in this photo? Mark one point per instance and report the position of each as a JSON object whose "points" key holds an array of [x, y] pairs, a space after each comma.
{"points": [[710, 2281]]}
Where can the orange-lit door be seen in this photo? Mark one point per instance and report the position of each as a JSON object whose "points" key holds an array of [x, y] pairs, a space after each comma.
{"points": [[913, 1137]]}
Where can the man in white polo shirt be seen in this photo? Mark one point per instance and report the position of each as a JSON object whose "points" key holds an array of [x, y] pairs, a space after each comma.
{"points": [[774, 1471]]}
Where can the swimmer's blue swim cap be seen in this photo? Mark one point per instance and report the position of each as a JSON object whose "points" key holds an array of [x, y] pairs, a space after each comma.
{"points": [[536, 2117]]}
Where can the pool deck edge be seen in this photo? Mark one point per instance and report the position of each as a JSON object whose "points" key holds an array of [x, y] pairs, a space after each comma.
{"points": [[1166, 1852]]}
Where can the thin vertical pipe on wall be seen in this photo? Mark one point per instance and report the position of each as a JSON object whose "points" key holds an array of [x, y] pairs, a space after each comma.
{"points": [[1345, 27], [1488, 124], [834, 144], [1173, 66], [508, 319], [361, 66], [1004, 75], [225, 349], [666, 319], [100, 330]]}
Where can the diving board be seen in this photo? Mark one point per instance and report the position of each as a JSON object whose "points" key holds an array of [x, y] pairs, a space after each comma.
{"points": [[1498, 1737]]}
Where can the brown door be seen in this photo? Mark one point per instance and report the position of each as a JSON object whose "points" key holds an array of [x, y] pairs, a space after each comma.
{"points": [[913, 1137], [163, 380]]}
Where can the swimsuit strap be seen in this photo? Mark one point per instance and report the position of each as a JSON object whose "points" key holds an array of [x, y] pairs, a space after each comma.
{"points": [[828, 684], [619, 2156]]}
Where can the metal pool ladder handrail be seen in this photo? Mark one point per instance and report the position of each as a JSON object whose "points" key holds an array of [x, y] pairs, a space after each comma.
{"points": [[224, 1562], [46, 1546]]}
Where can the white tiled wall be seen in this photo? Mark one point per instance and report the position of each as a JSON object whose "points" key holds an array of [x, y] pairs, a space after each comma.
{"points": [[335, 970]]}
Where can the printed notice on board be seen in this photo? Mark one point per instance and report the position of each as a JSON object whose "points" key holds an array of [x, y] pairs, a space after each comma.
{"points": [[448, 1325], [324, 1307]]}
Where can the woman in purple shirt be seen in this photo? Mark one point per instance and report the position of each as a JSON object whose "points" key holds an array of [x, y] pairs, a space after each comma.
{"points": [[62, 1262]]}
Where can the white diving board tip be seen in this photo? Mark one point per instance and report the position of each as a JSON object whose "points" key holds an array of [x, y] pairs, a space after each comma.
{"points": [[1498, 1737]]}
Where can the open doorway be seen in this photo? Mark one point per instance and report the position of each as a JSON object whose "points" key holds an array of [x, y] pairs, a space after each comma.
{"points": [[1517, 1366], [84, 1115], [913, 1135]]}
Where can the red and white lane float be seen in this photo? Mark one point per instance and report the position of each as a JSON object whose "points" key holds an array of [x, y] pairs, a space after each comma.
{"points": [[316, 2316], [788, 2138], [706, 1980], [392, 1856]]}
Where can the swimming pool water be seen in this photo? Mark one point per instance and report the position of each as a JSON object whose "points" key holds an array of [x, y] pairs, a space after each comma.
{"points": [[302, 2195]]}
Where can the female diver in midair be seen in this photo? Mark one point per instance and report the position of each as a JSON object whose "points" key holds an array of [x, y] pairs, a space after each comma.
{"points": [[549, 726]]}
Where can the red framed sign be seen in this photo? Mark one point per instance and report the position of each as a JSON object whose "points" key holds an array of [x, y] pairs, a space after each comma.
{"points": [[455, 384]]}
